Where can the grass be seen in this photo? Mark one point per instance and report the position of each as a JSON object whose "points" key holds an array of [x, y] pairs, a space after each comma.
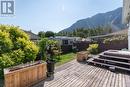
{"points": [[65, 58]]}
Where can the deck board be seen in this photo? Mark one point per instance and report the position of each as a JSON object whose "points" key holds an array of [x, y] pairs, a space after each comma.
{"points": [[74, 74]]}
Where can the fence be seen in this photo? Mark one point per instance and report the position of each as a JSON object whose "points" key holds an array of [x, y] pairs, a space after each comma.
{"points": [[66, 48], [113, 45], [25, 77], [81, 46]]}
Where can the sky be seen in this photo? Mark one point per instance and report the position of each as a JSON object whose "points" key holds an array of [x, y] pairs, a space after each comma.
{"points": [[55, 15]]}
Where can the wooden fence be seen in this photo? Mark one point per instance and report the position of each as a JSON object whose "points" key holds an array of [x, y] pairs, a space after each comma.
{"points": [[26, 77], [82, 46]]}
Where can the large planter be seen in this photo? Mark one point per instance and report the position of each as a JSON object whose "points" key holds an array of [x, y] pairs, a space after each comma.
{"points": [[82, 56], [26, 76]]}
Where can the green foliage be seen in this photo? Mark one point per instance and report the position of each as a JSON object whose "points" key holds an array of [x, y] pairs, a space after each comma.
{"points": [[5, 61], [16, 32], [115, 39], [31, 51], [29, 48], [52, 42], [49, 34], [17, 56], [15, 47], [41, 34], [21, 43], [5, 42], [43, 44], [64, 58], [93, 48], [83, 32]]}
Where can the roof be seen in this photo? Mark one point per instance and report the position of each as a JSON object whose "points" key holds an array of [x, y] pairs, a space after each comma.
{"points": [[66, 38], [32, 35], [122, 32]]}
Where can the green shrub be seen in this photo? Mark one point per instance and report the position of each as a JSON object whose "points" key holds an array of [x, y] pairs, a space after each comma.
{"points": [[43, 44], [42, 47], [16, 32], [5, 61], [115, 39], [5, 42], [93, 48], [17, 56], [15, 47], [31, 51]]}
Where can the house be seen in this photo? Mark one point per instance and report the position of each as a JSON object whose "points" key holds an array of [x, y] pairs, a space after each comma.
{"points": [[64, 40], [33, 37]]}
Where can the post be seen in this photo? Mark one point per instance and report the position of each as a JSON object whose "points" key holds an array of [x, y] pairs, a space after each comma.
{"points": [[129, 37]]}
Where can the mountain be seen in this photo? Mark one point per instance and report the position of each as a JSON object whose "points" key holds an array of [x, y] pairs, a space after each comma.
{"points": [[112, 19]]}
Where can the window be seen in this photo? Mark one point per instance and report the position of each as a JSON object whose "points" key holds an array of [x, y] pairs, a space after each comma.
{"points": [[65, 42]]}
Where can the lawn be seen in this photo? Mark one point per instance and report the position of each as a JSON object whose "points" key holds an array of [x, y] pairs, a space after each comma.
{"points": [[64, 58]]}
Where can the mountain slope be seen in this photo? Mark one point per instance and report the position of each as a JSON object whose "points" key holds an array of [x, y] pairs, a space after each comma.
{"points": [[112, 19]]}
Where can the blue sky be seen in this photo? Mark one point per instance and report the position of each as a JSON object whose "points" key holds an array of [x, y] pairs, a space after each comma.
{"points": [[55, 15]]}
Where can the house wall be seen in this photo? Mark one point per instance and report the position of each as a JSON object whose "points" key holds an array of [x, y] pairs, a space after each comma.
{"points": [[126, 11], [70, 42]]}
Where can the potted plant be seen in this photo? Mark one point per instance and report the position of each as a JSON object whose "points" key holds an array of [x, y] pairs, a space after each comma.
{"points": [[50, 61], [51, 51], [47, 52]]}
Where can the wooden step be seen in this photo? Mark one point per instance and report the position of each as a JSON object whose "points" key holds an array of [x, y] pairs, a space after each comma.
{"points": [[114, 57], [108, 65], [112, 61]]}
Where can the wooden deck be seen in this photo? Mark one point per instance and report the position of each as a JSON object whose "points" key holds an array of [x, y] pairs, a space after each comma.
{"points": [[74, 74]]}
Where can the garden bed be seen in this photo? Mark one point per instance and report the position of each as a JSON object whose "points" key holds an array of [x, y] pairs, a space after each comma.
{"points": [[14, 68], [25, 75]]}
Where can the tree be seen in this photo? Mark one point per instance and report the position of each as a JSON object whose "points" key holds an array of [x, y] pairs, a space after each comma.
{"points": [[80, 34], [41, 34], [49, 34]]}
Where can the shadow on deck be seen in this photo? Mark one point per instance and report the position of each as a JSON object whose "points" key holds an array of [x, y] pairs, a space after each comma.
{"points": [[75, 74]]}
